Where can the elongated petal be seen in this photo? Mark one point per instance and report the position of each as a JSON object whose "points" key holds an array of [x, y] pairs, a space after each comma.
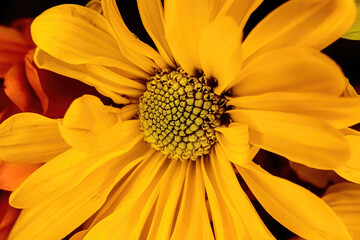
{"points": [[351, 170], [340, 112], [344, 199], [193, 219], [234, 141], [77, 35], [296, 208], [152, 16], [68, 210], [133, 203], [221, 39], [183, 32], [90, 126], [240, 10], [313, 24], [64, 173], [18, 89], [30, 138], [94, 75], [232, 213], [132, 47], [292, 69], [299, 138]]}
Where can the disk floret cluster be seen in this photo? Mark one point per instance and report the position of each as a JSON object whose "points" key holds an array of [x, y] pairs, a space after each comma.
{"points": [[178, 114]]}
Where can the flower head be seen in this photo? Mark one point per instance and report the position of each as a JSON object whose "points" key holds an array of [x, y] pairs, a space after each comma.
{"points": [[161, 165]]}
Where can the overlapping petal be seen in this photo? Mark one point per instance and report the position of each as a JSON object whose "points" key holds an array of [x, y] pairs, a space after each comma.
{"points": [[340, 112], [292, 69], [299, 138], [132, 47], [313, 24], [293, 206], [232, 214], [344, 199], [90, 126], [30, 138], [152, 16], [221, 39], [234, 141]]}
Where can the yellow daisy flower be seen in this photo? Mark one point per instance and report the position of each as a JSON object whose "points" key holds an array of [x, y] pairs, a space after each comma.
{"points": [[162, 163]]}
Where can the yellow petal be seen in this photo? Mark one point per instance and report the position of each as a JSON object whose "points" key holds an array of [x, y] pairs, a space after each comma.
{"points": [[232, 213], [234, 141], [296, 208], [133, 48], [94, 75], [152, 16], [340, 112], [183, 29], [290, 70], [313, 24], [133, 202], [220, 51], [90, 126], [56, 218], [240, 10], [193, 219], [299, 138], [168, 200], [77, 35], [351, 170], [344, 199], [30, 138]]}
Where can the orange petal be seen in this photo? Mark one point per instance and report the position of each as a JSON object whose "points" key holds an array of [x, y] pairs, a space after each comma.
{"points": [[19, 90], [12, 174], [8, 215]]}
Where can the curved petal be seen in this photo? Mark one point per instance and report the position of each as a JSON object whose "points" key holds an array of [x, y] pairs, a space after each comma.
{"points": [[30, 138], [314, 24], [70, 209], [183, 29], [240, 10], [55, 92], [351, 170], [292, 69], [65, 172], [133, 202], [234, 141], [12, 174], [295, 207], [220, 51], [232, 213], [344, 199], [299, 138], [340, 112], [90, 126], [94, 75], [77, 35], [18, 89], [152, 16], [132, 47]]}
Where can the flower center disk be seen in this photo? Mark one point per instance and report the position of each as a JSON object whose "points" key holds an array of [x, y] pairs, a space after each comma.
{"points": [[178, 114]]}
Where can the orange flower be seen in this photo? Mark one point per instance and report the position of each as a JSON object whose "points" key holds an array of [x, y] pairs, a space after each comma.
{"points": [[27, 88]]}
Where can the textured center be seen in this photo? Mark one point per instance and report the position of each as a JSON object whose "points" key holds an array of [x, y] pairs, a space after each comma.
{"points": [[178, 114]]}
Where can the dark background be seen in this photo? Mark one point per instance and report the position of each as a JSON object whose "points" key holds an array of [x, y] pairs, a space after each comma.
{"points": [[345, 52]]}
